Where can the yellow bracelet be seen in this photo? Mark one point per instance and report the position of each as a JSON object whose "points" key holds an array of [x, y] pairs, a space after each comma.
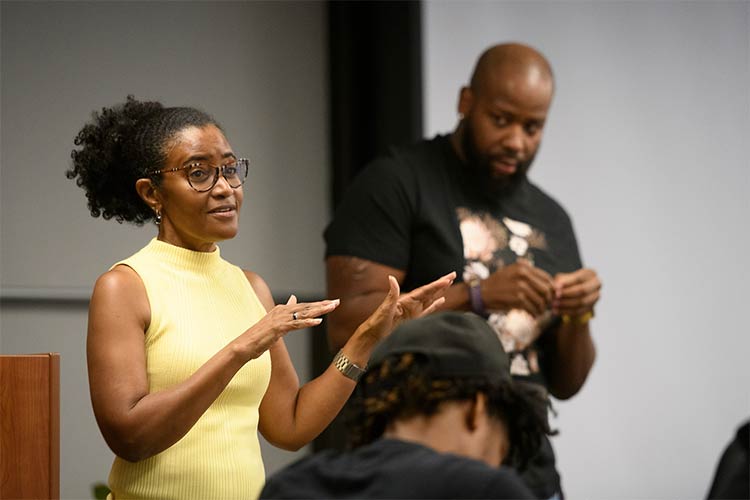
{"points": [[578, 320]]}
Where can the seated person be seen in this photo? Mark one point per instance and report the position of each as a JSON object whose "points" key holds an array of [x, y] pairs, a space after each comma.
{"points": [[434, 417]]}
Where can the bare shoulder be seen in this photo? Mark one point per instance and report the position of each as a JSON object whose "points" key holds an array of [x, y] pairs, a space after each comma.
{"points": [[261, 289], [119, 278], [121, 291], [254, 278], [120, 282]]}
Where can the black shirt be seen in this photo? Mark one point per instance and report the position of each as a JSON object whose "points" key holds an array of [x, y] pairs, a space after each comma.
{"points": [[418, 209], [421, 210], [390, 468]]}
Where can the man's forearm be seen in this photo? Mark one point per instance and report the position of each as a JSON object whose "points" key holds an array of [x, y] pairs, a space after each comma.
{"points": [[571, 357], [457, 298], [344, 321]]}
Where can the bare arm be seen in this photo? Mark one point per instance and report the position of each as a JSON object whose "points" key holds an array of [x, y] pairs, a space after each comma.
{"points": [[135, 423], [359, 283], [290, 416], [571, 355]]}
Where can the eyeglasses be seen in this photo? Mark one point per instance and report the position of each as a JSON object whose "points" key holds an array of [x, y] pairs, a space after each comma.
{"points": [[203, 177]]}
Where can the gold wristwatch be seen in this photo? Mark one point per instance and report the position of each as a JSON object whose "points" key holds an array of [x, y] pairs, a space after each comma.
{"points": [[347, 368]]}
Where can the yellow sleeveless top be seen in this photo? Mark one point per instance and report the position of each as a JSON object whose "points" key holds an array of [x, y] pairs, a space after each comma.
{"points": [[199, 303]]}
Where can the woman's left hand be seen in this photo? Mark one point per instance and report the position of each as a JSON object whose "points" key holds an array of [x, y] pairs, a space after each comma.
{"points": [[397, 308]]}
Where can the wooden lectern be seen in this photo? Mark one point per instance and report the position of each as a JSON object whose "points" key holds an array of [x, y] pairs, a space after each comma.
{"points": [[30, 426]]}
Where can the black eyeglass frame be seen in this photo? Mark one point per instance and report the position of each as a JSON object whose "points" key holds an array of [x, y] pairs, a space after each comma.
{"points": [[238, 161]]}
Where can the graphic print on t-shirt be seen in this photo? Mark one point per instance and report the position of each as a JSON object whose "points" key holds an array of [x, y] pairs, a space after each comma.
{"points": [[489, 245]]}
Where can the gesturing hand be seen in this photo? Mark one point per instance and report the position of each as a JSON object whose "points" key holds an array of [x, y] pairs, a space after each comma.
{"points": [[576, 293], [397, 308], [518, 286], [423, 300], [282, 319]]}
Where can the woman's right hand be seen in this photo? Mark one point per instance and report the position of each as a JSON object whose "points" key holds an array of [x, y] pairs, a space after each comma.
{"points": [[279, 321]]}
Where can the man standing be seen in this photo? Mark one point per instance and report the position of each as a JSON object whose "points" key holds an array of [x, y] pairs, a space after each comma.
{"points": [[435, 415], [463, 202]]}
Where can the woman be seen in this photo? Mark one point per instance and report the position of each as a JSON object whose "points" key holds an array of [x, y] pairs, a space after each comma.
{"points": [[185, 352]]}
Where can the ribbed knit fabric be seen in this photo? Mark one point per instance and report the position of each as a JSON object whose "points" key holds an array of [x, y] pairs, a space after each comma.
{"points": [[199, 303]]}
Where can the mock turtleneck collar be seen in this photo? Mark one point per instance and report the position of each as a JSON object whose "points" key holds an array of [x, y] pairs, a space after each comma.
{"points": [[189, 260]]}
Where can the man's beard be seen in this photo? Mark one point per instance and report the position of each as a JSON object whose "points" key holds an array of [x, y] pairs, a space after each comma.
{"points": [[481, 169]]}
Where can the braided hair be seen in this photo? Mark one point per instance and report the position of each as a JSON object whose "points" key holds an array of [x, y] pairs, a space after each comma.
{"points": [[403, 386], [122, 144]]}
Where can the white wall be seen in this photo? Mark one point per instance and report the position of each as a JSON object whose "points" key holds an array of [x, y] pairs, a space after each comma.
{"points": [[647, 148], [259, 68]]}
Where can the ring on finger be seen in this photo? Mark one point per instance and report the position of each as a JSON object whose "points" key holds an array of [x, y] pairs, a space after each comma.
{"points": [[294, 315]]}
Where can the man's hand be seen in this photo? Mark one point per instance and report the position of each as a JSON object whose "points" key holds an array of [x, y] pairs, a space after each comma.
{"points": [[518, 286], [576, 293], [571, 355]]}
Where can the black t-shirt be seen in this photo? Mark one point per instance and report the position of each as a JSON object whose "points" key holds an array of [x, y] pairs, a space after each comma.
{"points": [[418, 209], [390, 468]]}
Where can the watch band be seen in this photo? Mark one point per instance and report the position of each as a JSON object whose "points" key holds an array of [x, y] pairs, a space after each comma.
{"points": [[475, 297], [347, 368]]}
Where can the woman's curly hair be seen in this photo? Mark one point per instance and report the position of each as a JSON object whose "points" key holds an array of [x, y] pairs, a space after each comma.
{"points": [[122, 144], [403, 386]]}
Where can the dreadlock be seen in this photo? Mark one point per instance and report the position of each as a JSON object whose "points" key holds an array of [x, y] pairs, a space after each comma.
{"points": [[402, 386]]}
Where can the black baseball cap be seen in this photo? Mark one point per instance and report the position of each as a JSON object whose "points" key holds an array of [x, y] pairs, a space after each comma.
{"points": [[456, 344]]}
